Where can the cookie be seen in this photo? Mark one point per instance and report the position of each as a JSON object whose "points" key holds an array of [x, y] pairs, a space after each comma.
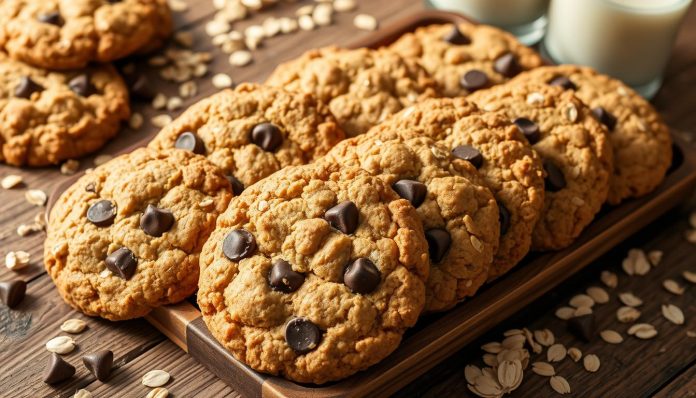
{"points": [[314, 273], [575, 150], [639, 137], [126, 237], [254, 131], [66, 34], [47, 117], [459, 214], [362, 86], [509, 166], [467, 57]]}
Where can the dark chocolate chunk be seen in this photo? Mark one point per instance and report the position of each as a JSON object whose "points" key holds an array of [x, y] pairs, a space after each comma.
{"points": [[504, 218], [239, 244], [267, 136], [474, 80], [302, 335], [52, 18], [455, 36], [81, 85], [12, 292], [156, 221], [529, 129], [564, 82], [344, 217], [141, 88], [468, 153], [413, 191], [507, 65], [605, 117], [439, 242], [583, 327], [58, 370], [237, 186], [555, 180], [122, 263], [362, 276], [102, 213], [190, 142], [283, 278], [99, 364], [27, 87], [90, 187]]}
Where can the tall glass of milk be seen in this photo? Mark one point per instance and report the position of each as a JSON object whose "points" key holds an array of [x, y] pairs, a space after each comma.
{"points": [[628, 39], [526, 19]]}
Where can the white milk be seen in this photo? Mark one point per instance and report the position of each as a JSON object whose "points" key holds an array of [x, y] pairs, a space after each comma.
{"points": [[628, 39], [497, 12]]}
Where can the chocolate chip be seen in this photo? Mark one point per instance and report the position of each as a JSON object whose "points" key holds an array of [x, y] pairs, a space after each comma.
{"points": [[27, 87], [102, 213], [361, 276], [99, 364], [267, 136], [413, 191], [302, 335], [52, 18], [238, 244], [12, 292], [90, 187], [81, 85], [122, 263], [237, 186], [507, 65], [282, 277], [605, 117], [156, 221], [529, 129], [468, 153], [474, 80], [58, 370], [439, 242], [555, 180], [455, 36], [344, 217], [190, 142], [503, 218], [583, 327], [140, 87], [564, 82]]}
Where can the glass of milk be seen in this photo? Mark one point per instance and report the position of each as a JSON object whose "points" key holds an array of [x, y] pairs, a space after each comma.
{"points": [[628, 39], [526, 19]]}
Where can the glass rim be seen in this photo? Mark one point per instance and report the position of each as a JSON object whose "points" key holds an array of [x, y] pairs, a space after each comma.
{"points": [[647, 10]]}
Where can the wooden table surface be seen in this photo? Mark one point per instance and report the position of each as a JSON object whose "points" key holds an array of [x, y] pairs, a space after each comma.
{"points": [[664, 367]]}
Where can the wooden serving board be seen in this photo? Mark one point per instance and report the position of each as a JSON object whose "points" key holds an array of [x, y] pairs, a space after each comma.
{"points": [[435, 337]]}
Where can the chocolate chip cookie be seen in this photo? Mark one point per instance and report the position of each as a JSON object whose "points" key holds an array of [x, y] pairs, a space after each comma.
{"points": [[491, 143], [467, 57], [459, 214], [126, 237], [575, 150], [362, 87], [640, 138], [47, 117], [254, 131], [65, 34], [314, 273]]}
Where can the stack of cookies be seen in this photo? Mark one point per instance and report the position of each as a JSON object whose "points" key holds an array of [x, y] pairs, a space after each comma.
{"points": [[358, 189]]}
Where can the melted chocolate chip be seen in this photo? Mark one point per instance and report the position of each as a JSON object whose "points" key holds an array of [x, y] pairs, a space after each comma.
{"points": [[362, 276], [52, 18], [439, 242], [564, 82], [456, 37], [302, 335], [267, 136], [81, 85], [122, 263], [102, 213], [474, 80], [507, 65], [468, 153], [283, 278], [156, 221], [555, 180], [503, 218], [237, 186], [99, 364], [189, 141], [344, 217], [605, 117], [413, 191], [529, 129], [12, 292], [58, 370], [27, 87], [239, 244]]}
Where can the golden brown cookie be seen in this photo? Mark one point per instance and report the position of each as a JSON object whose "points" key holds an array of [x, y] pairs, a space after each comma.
{"points": [[253, 131], [467, 57], [126, 237], [362, 86], [65, 34], [47, 117], [640, 138], [314, 273], [459, 214], [575, 150], [506, 161]]}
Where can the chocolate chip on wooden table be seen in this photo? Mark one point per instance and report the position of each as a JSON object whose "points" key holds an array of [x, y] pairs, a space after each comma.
{"points": [[156, 221], [190, 142], [564, 82], [529, 129], [237, 186], [302, 335], [468, 153], [605, 117], [413, 191], [267, 136], [555, 180], [141, 88], [344, 217], [504, 218], [122, 263], [238, 244], [439, 242], [362, 276], [283, 278], [52, 18], [102, 213], [474, 80], [27, 87], [81, 85], [58, 370], [99, 364], [507, 65], [583, 327], [455, 36], [12, 292]]}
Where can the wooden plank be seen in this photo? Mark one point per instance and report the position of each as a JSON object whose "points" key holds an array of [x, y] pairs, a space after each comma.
{"points": [[682, 386]]}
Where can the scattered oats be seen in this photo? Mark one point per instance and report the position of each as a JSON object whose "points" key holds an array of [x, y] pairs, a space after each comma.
{"points": [[689, 276], [271, 27], [673, 314], [160, 101], [222, 80], [158, 60], [200, 70], [492, 348], [655, 257], [159, 392], [543, 369], [155, 378], [571, 113], [510, 375], [60, 249], [105, 274], [690, 333], [305, 22], [73, 326], [556, 353], [490, 359], [609, 279], [288, 25], [17, 260], [40, 219], [184, 38], [535, 98], [205, 203], [11, 181], [536, 347], [304, 10], [36, 197], [177, 5], [577, 201], [252, 43], [255, 31], [344, 5], [627, 314], [643, 331], [69, 167], [598, 294], [471, 373], [574, 353], [322, 14], [580, 311], [690, 235], [630, 299], [544, 337], [591, 363], [188, 89], [611, 336], [161, 120], [581, 300], [101, 159], [174, 103], [514, 342], [240, 58], [216, 27], [486, 385], [28, 229], [636, 263], [60, 345], [673, 287], [476, 243], [136, 121], [82, 393], [253, 4], [519, 354], [559, 384], [365, 22], [513, 332], [565, 313]]}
